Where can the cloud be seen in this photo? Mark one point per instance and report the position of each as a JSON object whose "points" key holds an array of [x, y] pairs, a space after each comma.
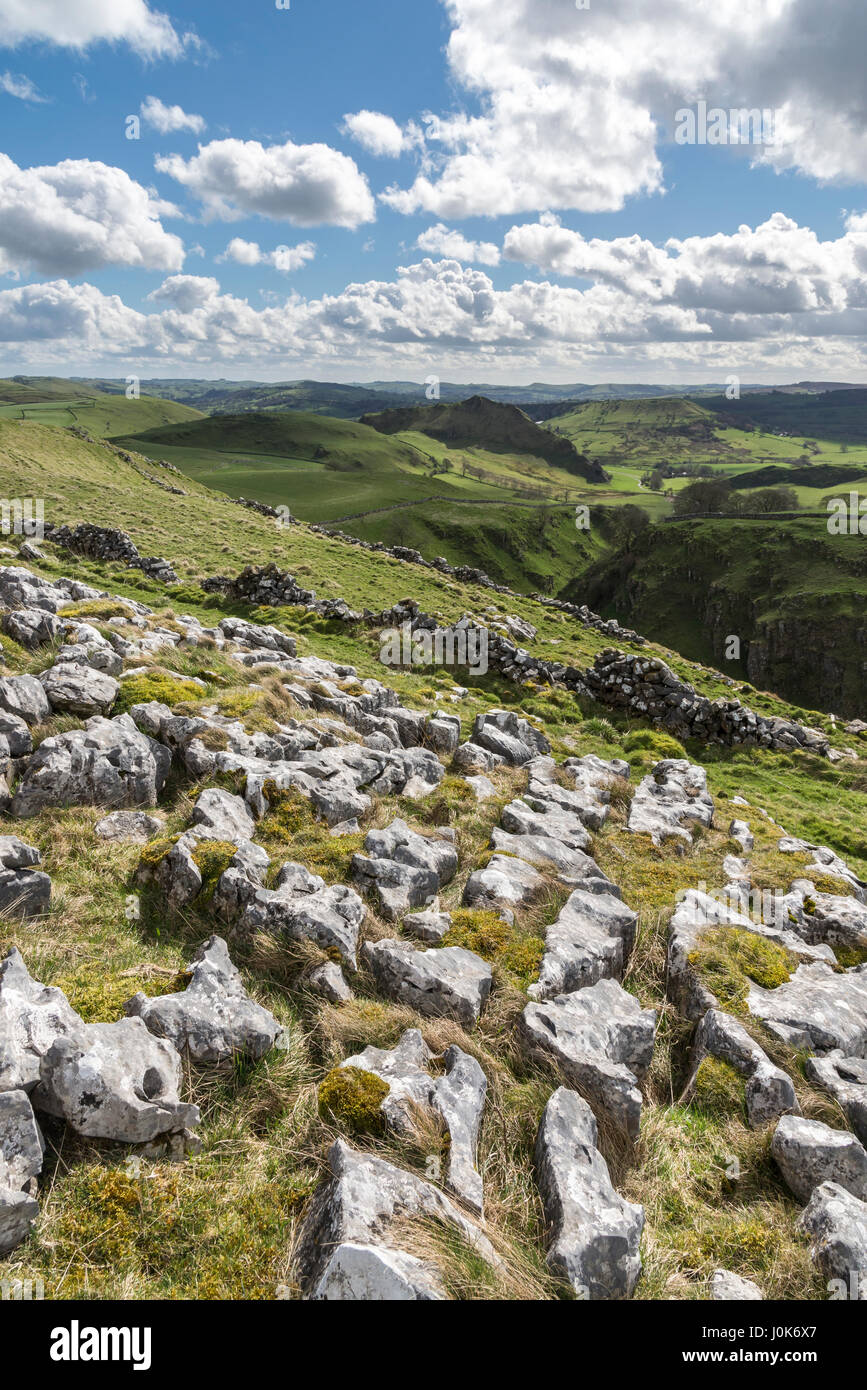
{"points": [[776, 268], [17, 85], [186, 292], [285, 258], [756, 302], [79, 215], [85, 22], [570, 109], [439, 240], [307, 185], [168, 118], [379, 134]]}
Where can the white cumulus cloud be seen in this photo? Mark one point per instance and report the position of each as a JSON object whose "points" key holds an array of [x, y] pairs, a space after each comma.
{"points": [[440, 240], [168, 118], [79, 215], [379, 134], [308, 185], [285, 258], [79, 24]]}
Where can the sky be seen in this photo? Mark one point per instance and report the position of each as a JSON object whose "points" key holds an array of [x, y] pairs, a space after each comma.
{"points": [[501, 191]]}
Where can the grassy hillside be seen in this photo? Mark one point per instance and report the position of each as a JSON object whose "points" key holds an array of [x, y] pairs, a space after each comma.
{"points": [[100, 414], [506, 513], [833, 415], [221, 1224], [490, 425]]}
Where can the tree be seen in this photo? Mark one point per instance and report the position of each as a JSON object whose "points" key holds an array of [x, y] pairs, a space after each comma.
{"points": [[656, 481], [628, 523], [705, 496]]}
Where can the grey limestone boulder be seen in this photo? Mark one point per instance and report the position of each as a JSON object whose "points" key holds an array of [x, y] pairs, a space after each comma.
{"points": [[128, 827], [214, 1018], [590, 940], [457, 1095], [595, 1232], [302, 907], [837, 1225], [107, 763], [75, 689], [32, 1017], [115, 1081], [364, 1203], [809, 1153], [445, 982], [726, 1287], [673, 797], [770, 1093], [601, 1041], [845, 1078], [25, 891]]}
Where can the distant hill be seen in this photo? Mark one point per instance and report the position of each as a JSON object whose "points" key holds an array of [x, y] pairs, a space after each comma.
{"points": [[345, 444], [101, 414], [819, 475], [836, 415], [490, 425]]}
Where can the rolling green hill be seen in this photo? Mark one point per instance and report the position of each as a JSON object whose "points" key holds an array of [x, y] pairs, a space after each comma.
{"points": [[834, 415], [491, 425], [100, 414]]}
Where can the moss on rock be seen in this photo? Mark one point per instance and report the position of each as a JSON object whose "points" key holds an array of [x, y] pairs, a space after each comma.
{"points": [[353, 1097]]}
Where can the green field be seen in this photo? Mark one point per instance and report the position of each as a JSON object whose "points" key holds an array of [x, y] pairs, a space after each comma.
{"points": [[101, 415]]}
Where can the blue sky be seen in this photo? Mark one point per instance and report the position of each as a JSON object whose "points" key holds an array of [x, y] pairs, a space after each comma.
{"points": [[509, 212]]}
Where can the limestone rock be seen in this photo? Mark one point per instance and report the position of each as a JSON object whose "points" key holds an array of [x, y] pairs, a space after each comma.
{"points": [[374, 1274], [223, 816], [364, 1199], [589, 941], [446, 982], [328, 980], [115, 1081], [107, 763], [595, 1232], [770, 1093], [406, 869], [24, 697], [846, 1080], [818, 1009], [303, 908], [504, 882], [601, 1040], [726, 1287], [458, 1095], [837, 1223], [508, 736], [482, 787], [214, 1018], [675, 793], [533, 816], [809, 1153], [32, 1017], [24, 890], [75, 689], [740, 831], [427, 926], [21, 1145], [128, 827]]}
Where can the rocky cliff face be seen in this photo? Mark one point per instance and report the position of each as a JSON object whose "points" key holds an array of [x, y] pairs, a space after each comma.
{"points": [[793, 596]]}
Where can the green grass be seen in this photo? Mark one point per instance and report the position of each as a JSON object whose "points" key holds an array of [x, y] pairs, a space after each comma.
{"points": [[221, 1225]]}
